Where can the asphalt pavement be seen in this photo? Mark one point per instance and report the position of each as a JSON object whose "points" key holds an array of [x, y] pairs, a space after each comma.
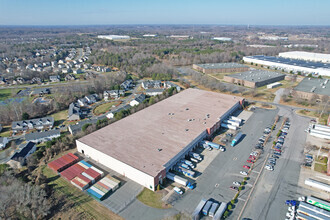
{"points": [[275, 187], [224, 169]]}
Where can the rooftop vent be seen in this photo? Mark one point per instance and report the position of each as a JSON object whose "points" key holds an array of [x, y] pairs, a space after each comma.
{"points": [[187, 109], [187, 129], [159, 149]]}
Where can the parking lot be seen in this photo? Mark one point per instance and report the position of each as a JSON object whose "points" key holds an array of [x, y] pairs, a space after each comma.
{"points": [[226, 166], [275, 187]]}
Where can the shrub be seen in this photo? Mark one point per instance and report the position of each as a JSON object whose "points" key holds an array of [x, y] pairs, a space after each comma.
{"points": [[225, 215], [230, 207], [245, 178], [232, 202], [240, 188]]}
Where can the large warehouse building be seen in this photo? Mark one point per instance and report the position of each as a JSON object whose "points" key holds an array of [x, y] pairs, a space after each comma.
{"points": [[254, 78], [146, 145], [310, 87], [301, 55], [289, 65], [220, 67]]}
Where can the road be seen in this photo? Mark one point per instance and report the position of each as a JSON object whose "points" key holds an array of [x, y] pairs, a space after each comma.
{"points": [[273, 188]]}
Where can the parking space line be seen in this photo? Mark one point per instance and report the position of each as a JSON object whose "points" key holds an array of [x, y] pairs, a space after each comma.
{"points": [[241, 199], [255, 171]]}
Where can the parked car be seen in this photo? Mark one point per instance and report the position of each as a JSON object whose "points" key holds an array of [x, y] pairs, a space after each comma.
{"points": [[252, 157], [243, 173], [237, 183], [246, 167], [250, 161], [178, 190], [233, 188]]}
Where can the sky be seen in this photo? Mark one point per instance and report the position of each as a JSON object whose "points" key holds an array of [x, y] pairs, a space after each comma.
{"points": [[109, 12]]}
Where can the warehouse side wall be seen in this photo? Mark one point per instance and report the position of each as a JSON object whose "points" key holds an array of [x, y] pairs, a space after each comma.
{"points": [[118, 166]]}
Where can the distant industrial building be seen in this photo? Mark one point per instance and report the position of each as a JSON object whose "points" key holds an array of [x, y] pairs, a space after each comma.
{"points": [[311, 86], [254, 78], [114, 37], [222, 38], [294, 65], [147, 144], [271, 37], [301, 55], [220, 67], [150, 35]]}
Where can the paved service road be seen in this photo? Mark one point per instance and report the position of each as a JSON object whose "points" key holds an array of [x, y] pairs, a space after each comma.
{"points": [[224, 169], [273, 188]]}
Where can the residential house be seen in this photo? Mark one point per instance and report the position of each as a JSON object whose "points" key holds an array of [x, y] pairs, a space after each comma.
{"points": [[76, 128], [20, 80], [3, 81], [139, 98], [44, 64], [36, 80], [74, 112], [3, 142], [29, 67], [115, 94], [154, 92], [155, 84], [82, 102], [77, 71], [91, 99], [19, 158], [54, 64], [78, 65], [61, 66], [69, 77], [9, 70], [38, 137], [168, 84], [68, 70], [87, 66], [112, 113], [37, 123], [127, 84], [54, 78]]}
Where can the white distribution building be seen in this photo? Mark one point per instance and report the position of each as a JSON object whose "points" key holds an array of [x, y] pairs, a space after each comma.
{"points": [[289, 65], [301, 55], [146, 145], [114, 37]]}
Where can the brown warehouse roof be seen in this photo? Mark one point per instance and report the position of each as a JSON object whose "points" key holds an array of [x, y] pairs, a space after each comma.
{"points": [[169, 125]]}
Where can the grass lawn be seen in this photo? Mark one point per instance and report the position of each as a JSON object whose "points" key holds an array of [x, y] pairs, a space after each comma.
{"points": [[152, 199], [322, 168], [7, 93], [82, 202], [103, 108], [314, 114], [320, 159], [6, 131], [60, 117]]}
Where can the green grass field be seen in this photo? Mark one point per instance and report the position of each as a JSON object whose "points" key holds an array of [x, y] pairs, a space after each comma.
{"points": [[7, 93], [103, 108], [152, 199]]}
